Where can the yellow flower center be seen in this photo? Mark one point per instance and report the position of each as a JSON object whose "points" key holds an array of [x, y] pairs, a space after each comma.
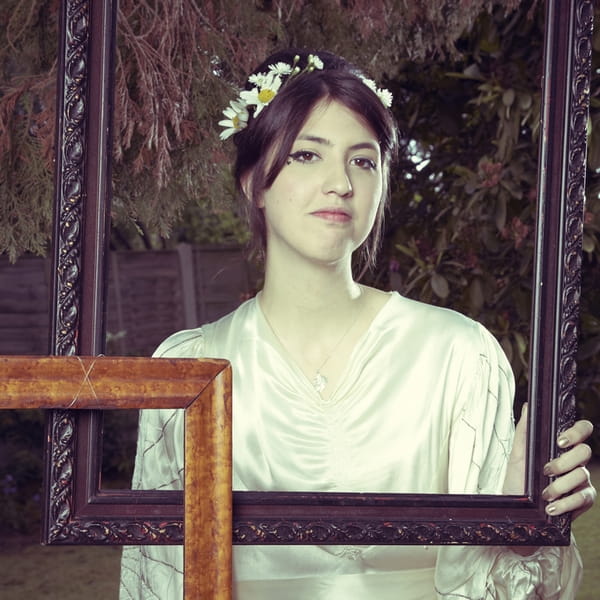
{"points": [[266, 95], [235, 121]]}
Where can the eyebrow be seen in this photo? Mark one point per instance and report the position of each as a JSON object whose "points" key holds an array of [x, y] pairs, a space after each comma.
{"points": [[325, 142]]}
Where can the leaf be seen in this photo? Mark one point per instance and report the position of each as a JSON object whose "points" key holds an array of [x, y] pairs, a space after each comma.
{"points": [[439, 284], [441, 243], [406, 250], [508, 97], [593, 150], [521, 343], [525, 101], [588, 243], [513, 189], [473, 72], [500, 215]]}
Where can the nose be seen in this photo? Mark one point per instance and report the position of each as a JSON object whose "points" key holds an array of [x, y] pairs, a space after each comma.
{"points": [[338, 181]]}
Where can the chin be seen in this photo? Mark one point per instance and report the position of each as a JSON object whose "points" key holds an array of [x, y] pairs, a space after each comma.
{"points": [[334, 258]]}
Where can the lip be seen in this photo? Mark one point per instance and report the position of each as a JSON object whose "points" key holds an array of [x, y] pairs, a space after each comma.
{"points": [[333, 214]]}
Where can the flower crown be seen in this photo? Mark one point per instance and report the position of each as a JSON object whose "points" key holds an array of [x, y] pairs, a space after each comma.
{"points": [[266, 85]]}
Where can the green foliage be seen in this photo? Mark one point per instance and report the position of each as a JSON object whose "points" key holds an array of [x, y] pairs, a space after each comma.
{"points": [[21, 464], [460, 232], [588, 359], [119, 437], [27, 97], [461, 224], [177, 64], [21, 435]]}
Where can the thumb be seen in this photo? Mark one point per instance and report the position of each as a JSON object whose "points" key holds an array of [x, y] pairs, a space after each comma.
{"points": [[519, 448], [515, 474], [522, 423]]}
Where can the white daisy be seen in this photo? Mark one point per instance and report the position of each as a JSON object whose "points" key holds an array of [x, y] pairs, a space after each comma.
{"points": [[266, 86], [263, 93], [385, 96], [280, 68], [369, 83], [257, 78], [237, 119]]}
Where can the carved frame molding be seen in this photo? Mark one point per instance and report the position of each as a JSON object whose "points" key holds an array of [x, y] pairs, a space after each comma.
{"points": [[297, 518]]}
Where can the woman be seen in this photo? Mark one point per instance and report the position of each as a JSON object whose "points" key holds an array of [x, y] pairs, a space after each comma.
{"points": [[342, 387]]}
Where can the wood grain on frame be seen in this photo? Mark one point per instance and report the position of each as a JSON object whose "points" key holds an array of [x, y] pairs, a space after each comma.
{"points": [[202, 387]]}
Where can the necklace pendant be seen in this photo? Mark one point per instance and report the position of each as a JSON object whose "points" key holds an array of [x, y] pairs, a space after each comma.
{"points": [[319, 382]]}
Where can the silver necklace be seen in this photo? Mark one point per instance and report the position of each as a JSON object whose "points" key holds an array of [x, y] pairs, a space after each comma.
{"points": [[320, 381]]}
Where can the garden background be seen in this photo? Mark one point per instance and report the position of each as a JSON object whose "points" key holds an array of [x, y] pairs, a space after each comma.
{"points": [[459, 230]]}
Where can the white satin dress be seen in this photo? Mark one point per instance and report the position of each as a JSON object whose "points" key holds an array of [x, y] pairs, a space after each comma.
{"points": [[425, 406]]}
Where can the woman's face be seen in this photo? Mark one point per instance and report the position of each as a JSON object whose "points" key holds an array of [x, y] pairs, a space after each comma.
{"points": [[322, 205]]}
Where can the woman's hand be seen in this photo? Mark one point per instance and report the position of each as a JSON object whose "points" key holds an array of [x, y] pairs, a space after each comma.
{"points": [[571, 489]]}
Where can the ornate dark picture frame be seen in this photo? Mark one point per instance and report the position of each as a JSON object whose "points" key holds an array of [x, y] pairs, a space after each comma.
{"points": [[202, 388], [82, 206]]}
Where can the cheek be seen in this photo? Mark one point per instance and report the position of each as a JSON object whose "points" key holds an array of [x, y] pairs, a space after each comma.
{"points": [[376, 203], [378, 200], [281, 196], [371, 218]]}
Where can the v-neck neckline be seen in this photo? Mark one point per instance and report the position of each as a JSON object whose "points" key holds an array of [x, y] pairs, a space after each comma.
{"points": [[283, 353]]}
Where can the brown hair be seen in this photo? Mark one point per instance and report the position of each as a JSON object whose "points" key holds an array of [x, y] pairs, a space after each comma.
{"points": [[263, 147]]}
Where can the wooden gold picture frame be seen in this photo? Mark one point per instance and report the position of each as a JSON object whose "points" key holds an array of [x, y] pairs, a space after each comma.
{"points": [[83, 173], [202, 388]]}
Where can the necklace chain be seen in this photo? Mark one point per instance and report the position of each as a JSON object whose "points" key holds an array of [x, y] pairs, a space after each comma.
{"points": [[320, 381]]}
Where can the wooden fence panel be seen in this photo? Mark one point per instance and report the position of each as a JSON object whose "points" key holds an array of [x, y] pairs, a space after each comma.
{"points": [[223, 279], [24, 306], [144, 303], [151, 294]]}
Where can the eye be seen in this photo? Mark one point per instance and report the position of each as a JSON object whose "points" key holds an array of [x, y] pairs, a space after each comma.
{"points": [[304, 156], [364, 163]]}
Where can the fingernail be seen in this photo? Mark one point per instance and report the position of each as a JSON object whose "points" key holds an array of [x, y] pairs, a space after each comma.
{"points": [[547, 496], [563, 441], [551, 509], [547, 470]]}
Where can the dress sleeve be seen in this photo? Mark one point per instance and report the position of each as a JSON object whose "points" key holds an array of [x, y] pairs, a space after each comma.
{"points": [[157, 571], [481, 439]]}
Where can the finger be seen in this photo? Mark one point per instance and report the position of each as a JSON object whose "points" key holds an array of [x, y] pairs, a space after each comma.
{"points": [[576, 456], [579, 432], [589, 497], [519, 447], [574, 480], [577, 503]]}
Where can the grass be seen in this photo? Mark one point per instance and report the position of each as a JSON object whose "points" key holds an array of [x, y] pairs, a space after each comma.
{"points": [[32, 572]]}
